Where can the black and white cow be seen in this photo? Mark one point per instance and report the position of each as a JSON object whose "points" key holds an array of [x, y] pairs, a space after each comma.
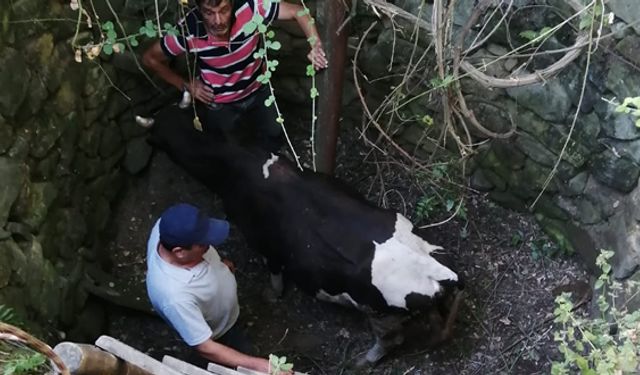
{"points": [[324, 235]]}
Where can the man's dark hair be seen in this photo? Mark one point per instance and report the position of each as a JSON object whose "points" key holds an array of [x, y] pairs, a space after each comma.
{"points": [[213, 3]]}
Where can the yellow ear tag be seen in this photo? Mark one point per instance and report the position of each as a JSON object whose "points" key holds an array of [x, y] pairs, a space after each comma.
{"points": [[197, 124]]}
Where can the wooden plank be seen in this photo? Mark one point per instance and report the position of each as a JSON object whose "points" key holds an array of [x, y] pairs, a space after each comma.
{"points": [[85, 359], [184, 367], [246, 371], [221, 370], [134, 356]]}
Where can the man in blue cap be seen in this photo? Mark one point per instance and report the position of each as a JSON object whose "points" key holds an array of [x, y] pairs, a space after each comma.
{"points": [[193, 289]]}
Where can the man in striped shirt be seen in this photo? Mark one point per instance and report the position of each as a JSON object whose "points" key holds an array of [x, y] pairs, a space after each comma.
{"points": [[227, 83]]}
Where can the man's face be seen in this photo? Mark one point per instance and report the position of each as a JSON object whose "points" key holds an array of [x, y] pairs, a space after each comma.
{"points": [[217, 19]]}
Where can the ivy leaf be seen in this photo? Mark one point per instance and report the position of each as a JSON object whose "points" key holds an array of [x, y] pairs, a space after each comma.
{"points": [[172, 31], [111, 35], [276, 45], [133, 41], [449, 204], [118, 47], [262, 28], [310, 71], [108, 48], [107, 26], [528, 34], [249, 28], [271, 34]]}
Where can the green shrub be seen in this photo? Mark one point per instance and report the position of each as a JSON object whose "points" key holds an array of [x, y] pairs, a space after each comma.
{"points": [[601, 345]]}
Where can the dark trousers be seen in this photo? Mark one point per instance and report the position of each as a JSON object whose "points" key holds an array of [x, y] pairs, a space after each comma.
{"points": [[247, 121]]}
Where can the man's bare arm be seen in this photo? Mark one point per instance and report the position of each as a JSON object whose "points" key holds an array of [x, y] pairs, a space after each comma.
{"points": [[227, 356], [157, 61], [317, 55]]}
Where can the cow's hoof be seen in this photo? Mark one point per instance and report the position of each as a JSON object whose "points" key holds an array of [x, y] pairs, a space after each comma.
{"points": [[362, 363], [270, 296]]}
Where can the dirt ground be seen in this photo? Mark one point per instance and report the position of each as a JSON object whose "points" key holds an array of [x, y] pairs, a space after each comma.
{"points": [[504, 326]]}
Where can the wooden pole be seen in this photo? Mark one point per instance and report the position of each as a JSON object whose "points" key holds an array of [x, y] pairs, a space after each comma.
{"points": [[85, 359], [331, 16]]}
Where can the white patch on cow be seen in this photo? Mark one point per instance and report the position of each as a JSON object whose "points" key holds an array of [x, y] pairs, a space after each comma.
{"points": [[341, 299], [265, 167], [403, 232], [403, 265]]}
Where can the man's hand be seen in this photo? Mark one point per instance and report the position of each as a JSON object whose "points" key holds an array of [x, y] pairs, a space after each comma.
{"points": [[317, 57], [201, 92]]}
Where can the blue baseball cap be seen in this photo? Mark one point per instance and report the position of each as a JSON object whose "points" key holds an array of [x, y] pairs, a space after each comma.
{"points": [[184, 225]]}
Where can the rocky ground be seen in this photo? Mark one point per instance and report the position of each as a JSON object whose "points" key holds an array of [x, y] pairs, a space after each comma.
{"points": [[505, 325]]}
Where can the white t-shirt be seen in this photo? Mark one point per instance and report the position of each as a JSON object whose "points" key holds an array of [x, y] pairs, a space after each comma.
{"points": [[200, 303]]}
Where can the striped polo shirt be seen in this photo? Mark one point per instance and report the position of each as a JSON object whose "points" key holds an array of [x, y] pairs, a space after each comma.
{"points": [[229, 68]]}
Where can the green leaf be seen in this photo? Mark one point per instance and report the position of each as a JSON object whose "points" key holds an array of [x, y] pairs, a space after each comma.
{"points": [[262, 28], [249, 28], [314, 93], [133, 41], [271, 34], [528, 34], [257, 19], [107, 26], [310, 71], [111, 35], [276, 45], [286, 367], [449, 204], [585, 22], [173, 31], [107, 48]]}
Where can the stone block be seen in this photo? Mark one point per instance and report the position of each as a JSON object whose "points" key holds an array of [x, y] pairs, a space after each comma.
{"points": [[15, 75], [627, 10], [34, 203], [6, 136], [111, 140], [48, 129], [138, 155], [536, 98], [622, 80], [620, 173], [13, 176]]}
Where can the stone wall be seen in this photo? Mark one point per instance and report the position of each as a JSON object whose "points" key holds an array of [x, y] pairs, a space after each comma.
{"points": [[66, 139], [593, 200]]}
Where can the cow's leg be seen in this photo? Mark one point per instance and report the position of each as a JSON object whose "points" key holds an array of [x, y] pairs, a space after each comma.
{"points": [[441, 320], [388, 332], [277, 284], [451, 316]]}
